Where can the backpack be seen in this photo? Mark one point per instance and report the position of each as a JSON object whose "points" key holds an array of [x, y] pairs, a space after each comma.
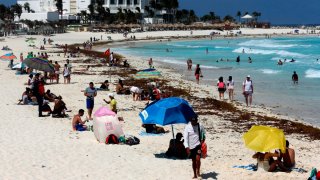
{"points": [[221, 85], [112, 139], [132, 140]]}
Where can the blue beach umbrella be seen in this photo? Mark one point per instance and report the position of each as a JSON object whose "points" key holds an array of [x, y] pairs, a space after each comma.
{"points": [[173, 110]]}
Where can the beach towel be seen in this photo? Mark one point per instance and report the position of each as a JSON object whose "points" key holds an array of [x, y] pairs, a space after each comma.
{"points": [[300, 170], [250, 167], [143, 133]]}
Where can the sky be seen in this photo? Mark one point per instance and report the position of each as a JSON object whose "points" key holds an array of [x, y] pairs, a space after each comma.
{"points": [[274, 11]]}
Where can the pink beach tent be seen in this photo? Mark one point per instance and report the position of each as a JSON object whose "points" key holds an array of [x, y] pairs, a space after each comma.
{"points": [[104, 111], [106, 122]]}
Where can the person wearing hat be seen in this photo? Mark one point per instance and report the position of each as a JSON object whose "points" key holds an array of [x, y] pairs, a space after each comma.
{"points": [[194, 136], [176, 147], [112, 102], [247, 90]]}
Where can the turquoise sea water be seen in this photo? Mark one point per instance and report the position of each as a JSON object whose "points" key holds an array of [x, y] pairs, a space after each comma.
{"points": [[272, 83]]}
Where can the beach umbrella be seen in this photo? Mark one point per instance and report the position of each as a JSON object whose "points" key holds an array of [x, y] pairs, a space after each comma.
{"points": [[106, 122], [264, 139], [19, 66], [8, 56], [172, 110], [39, 64]]}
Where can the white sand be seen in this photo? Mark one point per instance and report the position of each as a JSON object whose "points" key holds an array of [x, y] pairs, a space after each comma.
{"points": [[46, 148]]}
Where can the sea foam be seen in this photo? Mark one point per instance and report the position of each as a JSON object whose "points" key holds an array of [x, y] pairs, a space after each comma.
{"points": [[282, 53], [312, 73]]}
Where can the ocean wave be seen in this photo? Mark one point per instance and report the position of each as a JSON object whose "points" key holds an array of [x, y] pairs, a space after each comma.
{"points": [[282, 53], [171, 61], [269, 71], [221, 47], [312, 73], [266, 44], [185, 46]]}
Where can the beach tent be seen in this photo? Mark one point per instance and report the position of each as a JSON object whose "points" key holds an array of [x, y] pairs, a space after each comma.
{"points": [[247, 16], [106, 122]]}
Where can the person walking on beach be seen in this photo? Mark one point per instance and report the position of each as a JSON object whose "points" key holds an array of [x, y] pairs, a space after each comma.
{"points": [[198, 73], [57, 71], [295, 77], [230, 87], [221, 88], [194, 136], [90, 93], [248, 90]]}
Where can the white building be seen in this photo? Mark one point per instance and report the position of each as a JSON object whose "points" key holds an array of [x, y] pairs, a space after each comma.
{"points": [[113, 5]]}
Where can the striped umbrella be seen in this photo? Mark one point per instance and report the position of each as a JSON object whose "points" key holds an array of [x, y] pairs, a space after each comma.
{"points": [[39, 64], [8, 56]]}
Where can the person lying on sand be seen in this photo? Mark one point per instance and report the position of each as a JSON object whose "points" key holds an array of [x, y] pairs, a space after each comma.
{"points": [[49, 96], [77, 123], [152, 128]]}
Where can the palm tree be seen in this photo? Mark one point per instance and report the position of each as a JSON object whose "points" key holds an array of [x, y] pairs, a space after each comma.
{"points": [[256, 15], [138, 14], [91, 10], [228, 18], [59, 6], [26, 7], [239, 15], [16, 10]]}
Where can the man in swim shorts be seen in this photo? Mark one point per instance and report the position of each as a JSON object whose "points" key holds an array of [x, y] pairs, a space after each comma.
{"points": [[77, 123], [90, 93]]}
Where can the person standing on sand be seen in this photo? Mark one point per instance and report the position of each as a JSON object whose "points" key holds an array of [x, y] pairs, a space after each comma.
{"points": [[221, 88], [57, 71], [247, 89], [295, 77], [150, 62], [189, 64], [230, 87], [194, 136], [198, 73], [38, 91], [90, 93]]}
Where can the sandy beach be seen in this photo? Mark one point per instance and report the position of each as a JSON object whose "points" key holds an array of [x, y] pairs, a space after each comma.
{"points": [[47, 148]]}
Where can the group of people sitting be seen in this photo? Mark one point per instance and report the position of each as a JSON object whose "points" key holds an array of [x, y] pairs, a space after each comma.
{"points": [[284, 160], [35, 94]]}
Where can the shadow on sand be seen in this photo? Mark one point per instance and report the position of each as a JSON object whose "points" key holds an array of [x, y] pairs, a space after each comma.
{"points": [[209, 175], [164, 156]]}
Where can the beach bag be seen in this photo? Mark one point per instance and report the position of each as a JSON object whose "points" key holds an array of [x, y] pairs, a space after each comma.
{"points": [[112, 139], [204, 148], [132, 140]]}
